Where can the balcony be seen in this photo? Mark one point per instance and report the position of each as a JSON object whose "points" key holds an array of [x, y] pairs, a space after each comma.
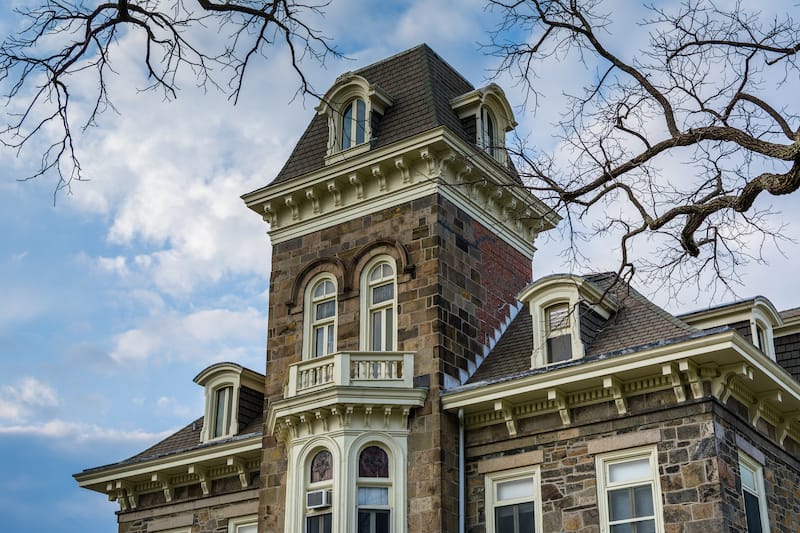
{"points": [[393, 370]]}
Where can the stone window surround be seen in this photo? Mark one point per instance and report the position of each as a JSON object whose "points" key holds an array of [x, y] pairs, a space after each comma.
{"points": [[631, 454], [345, 451], [492, 479], [309, 319]]}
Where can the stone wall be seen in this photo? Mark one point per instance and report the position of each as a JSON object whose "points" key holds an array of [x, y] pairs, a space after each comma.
{"points": [[456, 285], [698, 469]]}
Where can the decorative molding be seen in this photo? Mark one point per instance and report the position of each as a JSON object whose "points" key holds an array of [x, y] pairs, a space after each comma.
{"points": [[560, 401], [507, 411]]}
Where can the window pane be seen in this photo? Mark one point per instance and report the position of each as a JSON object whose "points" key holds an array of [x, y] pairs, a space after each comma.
{"points": [[381, 521], [629, 470], [364, 522], [753, 513], [504, 519], [322, 467], [389, 319], [623, 528], [525, 517], [518, 488], [325, 309], [320, 523], [361, 122], [382, 293], [347, 127], [249, 528], [323, 288], [620, 504], [219, 415], [373, 496], [376, 331], [646, 526], [559, 348], [382, 271], [330, 339], [319, 343], [643, 501], [373, 462], [748, 477], [557, 317]]}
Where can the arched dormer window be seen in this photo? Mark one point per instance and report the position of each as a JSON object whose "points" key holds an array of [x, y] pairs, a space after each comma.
{"points": [[350, 107], [559, 332], [489, 139], [379, 306], [320, 317], [230, 390], [354, 124], [374, 487], [492, 115], [319, 493]]}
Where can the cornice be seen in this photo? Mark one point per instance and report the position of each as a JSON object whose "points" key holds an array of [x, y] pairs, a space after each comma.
{"points": [[724, 362], [436, 161]]}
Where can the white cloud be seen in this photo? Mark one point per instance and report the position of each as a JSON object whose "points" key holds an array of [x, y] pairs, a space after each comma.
{"points": [[167, 405], [202, 336], [80, 432], [27, 396]]}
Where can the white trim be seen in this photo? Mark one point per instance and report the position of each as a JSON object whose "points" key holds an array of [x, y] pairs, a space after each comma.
{"points": [[491, 480], [759, 491], [602, 463], [242, 521], [367, 307], [309, 322]]}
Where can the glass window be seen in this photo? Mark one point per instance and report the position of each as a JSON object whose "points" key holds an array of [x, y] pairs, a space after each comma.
{"points": [[319, 523], [374, 485], [559, 336], [489, 138], [753, 493], [512, 501], [628, 492], [222, 411], [322, 467], [322, 319], [319, 486], [381, 308], [354, 124]]}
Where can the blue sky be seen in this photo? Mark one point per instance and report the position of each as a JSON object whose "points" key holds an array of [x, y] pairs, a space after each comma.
{"points": [[117, 296]]}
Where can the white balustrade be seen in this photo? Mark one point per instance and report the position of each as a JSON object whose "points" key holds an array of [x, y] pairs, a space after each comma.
{"points": [[365, 369]]}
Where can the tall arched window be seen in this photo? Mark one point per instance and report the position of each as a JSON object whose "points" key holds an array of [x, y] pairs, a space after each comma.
{"points": [[379, 295], [318, 496], [374, 487], [489, 134], [354, 123], [321, 318]]}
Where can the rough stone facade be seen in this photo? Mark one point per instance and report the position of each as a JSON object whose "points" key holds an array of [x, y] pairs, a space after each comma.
{"points": [[456, 283], [697, 455]]}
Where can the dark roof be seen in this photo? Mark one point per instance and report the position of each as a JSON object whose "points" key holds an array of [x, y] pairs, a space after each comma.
{"points": [[637, 322], [420, 84], [790, 313]]}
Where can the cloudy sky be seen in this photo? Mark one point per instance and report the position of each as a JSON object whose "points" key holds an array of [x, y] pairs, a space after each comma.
{"points": [[117, 296]]}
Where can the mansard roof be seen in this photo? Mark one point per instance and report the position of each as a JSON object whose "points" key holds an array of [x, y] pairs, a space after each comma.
{"points": [[638, 322], [421, 86]]}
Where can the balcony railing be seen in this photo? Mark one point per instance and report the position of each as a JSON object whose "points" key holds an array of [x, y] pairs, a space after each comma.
{"points": [[356, 369]]}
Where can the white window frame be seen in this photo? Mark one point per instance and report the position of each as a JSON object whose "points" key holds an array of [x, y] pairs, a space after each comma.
{"points": [[234, 524], [760, 320], [352, 106], [327, 484], [602, 462], [759, 491], [493, 479], [231, 408], [369, 482], [310, 321], [367, 307]]}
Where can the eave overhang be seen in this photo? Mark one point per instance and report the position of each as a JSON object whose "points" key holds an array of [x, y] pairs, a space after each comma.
{"points": [[730, 365], [436, 161]]}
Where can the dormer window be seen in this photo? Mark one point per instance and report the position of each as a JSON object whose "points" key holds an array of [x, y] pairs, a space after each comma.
{"points": [[489, 111], [354, 124], [234, 398], [559, 338], [490, 142], [223, 407], [351, 106]]}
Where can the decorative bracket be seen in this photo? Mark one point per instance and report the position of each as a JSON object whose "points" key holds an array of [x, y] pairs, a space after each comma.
{"points": [[558, 397], [387, 414], [322, 416], [692, 373], [337, 194], [238, 466], [311, 195], [200, 472], [721, 386], [378, 173], [355, 182], [367, 414], [507, 410], [757, 409], [270, 216], [426, 156], [614, 385], [165, 485], [671, 371], [782, 429], [289, 201], [400, 164]]}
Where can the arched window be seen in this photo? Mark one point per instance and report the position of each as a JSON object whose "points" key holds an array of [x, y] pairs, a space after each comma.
{"points": [[374, 487], [321, 318], [318, 500], [222, 411], [489, 135], [558, 329], [379, 296], [354, 123]]}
